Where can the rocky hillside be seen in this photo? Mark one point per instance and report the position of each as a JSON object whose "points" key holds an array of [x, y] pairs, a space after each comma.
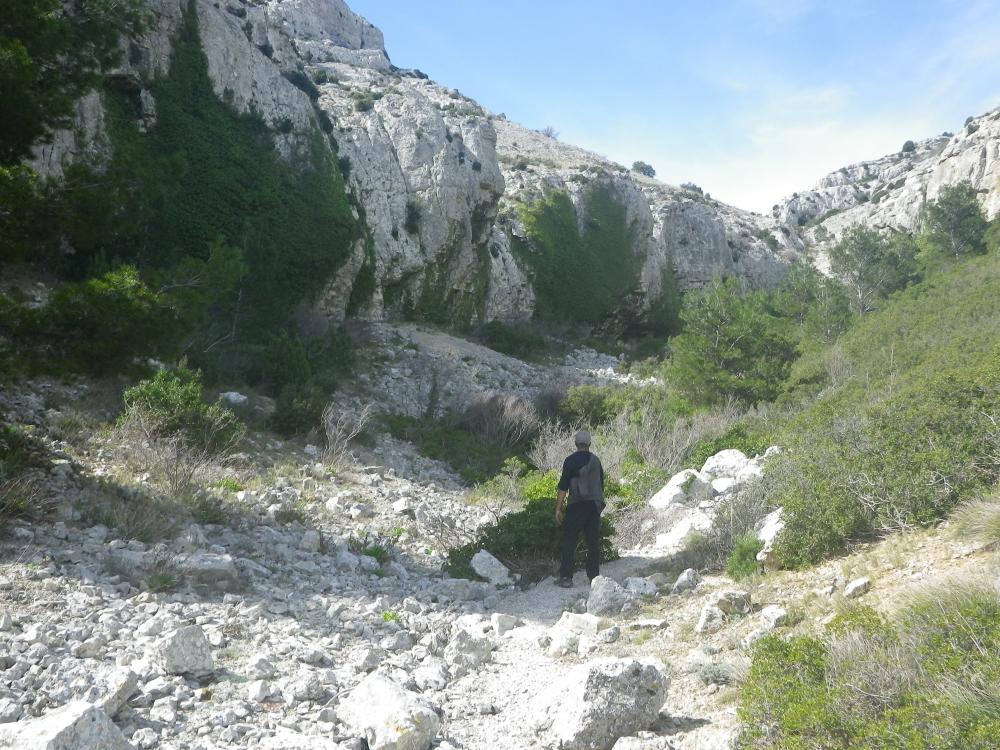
{"points": [[442, 184], [890, 192]]}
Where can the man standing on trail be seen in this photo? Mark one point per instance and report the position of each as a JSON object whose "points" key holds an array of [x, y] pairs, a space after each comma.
{"points": [[583, 478]]}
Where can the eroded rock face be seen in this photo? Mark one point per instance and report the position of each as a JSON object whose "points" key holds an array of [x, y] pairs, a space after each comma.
{"points": [[599, 702]]}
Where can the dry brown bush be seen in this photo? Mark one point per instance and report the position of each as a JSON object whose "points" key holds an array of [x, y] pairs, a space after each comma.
{"points": [[502, 420], [175, 463], [341, 427]]}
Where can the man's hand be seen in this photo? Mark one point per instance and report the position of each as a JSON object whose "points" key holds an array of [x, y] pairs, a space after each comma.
{"points": [[560, 500]]}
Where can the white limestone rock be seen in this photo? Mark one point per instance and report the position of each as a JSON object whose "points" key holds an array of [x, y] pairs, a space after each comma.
{"points": [[488, 567], [594, 705], [857, 587], [185, 652], [389, 717], [726, 463], [686, 581], [607, 597], [75, 726]]}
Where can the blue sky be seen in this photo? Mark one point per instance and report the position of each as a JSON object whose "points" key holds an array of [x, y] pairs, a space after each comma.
{"points": [[751, 99]]}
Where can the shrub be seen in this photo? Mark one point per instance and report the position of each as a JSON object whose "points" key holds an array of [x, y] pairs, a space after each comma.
{"points": [[169, 432], [526, 541], [602, 254], [907, 428], [505, 422], [643, 168], [979, 519], [516, 341], [414, 213], [19, 452], [99, 326], [742, 561], [909, 147], [170, 403], [731, 346], [928, 681]]}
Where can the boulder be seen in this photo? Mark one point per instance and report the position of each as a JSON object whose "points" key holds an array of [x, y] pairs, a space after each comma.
{"points": [[774, 616], [185, 651], [389, 717], [771, 526], [686, 581], [711, 619], [640, 586], [674, 491], [594, 705], [857, 588], [76, 726], [502, 623], [209, 569], [732, 602], [488, 567], [311, 541], [607, 597], [727, 463]]}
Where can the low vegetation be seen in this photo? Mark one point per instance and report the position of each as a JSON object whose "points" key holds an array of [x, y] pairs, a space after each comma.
{"points": [[926, 678]]}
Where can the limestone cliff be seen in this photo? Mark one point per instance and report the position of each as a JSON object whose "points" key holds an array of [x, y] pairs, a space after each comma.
{"points": [[438, 178]]}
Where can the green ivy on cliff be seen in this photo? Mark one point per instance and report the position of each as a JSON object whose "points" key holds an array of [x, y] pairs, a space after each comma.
{"points": [[579, 275]]}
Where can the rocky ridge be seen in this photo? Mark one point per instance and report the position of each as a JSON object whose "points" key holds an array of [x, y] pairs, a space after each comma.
{"points": [[888, 193]]}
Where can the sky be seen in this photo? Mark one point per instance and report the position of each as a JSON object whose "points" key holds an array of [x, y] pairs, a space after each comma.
{"points": [[750, 99]]}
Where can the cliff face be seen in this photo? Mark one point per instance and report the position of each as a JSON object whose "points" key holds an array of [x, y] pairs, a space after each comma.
{"points": [[439, 179], [890, 192]]}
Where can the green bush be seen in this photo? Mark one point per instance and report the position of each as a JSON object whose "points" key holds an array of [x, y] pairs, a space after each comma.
{"points": [[742, 562], [927, 682], [170, 403], [731, 347], [99, 326], [602, 255], [903, 428], [515, 341], [526, 541]]}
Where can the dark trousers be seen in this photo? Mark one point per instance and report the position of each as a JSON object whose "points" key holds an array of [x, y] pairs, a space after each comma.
{"points": [[582, 516]]}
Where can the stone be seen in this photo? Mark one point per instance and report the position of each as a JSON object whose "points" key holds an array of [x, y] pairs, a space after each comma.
{"points": [[75, 726], [606, 597], [311, 541], [726, 463], [711, 620], [774, 616], [260, 668], [594, 705], [771, 526], [640, 586], [488, 567], [644, 743], [389, 717], [579, 623], [217, 571], [185, 652], [502, 623], [857, 587], [674, 491], [686, 581], [122, 685], [732, 602]]}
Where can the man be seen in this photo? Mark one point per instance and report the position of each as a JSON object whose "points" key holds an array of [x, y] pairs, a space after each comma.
{"points": [[583, 479]]}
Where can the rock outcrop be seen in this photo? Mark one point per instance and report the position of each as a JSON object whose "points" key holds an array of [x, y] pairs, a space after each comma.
{"points": [[891, 191]]}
